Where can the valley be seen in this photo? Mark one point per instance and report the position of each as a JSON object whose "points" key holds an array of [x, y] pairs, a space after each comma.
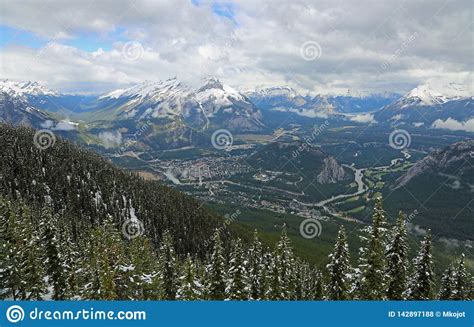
{"points": [[244, 151]]}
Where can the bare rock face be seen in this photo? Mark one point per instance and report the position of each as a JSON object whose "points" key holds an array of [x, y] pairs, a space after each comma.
{"points": [[332, 172], [439, 161]]}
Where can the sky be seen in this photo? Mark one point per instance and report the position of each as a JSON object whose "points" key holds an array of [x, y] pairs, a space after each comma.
{"points": [[320, 47]]}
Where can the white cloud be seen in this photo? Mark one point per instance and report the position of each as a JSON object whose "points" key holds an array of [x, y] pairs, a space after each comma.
{"points": [[262, 46], [364, 118], [454, 125], [111, 139]]}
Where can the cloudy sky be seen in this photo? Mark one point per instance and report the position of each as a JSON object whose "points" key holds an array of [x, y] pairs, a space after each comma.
{"points": [[94, 46]]}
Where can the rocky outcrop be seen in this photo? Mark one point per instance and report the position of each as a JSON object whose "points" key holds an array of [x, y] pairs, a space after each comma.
{"points": [[332, 172], [438, 161]]}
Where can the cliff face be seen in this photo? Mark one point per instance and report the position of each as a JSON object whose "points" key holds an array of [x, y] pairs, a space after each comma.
{"points": [[439, 161], [332, 172]]}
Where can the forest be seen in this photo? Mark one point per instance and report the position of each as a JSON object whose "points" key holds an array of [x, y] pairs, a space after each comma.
{"points": [[62, 212]]}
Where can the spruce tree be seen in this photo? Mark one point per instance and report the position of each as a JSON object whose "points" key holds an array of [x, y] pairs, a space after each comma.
{"points": [[280, 284], [32, 266], [143, 262], [13, 246], [167, 268], [190, 287], [461, 281], [52, 253], [237, 284], [372, 267], [421, 286], [446, 287], [256, 269], [397, 261], [339, 269], [216, 276], [103, 268]]}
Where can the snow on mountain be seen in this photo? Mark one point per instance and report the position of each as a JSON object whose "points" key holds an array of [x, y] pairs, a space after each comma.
{"points": [[14, 88], [149, 90], [430, 95], [174, 99], [276, 91]]}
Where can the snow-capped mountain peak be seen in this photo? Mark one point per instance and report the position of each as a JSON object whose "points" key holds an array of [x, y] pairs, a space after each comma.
{"points": [[274, 91], [147, 89], [213, 89], [172, 99], [432, 94], [16, 89]]}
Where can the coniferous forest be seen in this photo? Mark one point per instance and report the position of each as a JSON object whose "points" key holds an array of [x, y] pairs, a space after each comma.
{"points": [[62, 217]]}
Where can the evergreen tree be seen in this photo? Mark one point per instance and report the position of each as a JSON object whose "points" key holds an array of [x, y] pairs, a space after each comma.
{"points": [[421, 286], [216, 283], [32, 267], [372, 281], [397, 261], [167, 268], [144, 270], [339, 269], [446, 287], [256, 269], [11, 275], [237, 285], [280, 286], [461, 282], [103, 267], [52, 253], [190, 287]]}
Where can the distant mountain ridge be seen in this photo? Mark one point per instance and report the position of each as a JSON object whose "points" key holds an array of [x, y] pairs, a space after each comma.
{"points": [[212, 103], [425, 105]]}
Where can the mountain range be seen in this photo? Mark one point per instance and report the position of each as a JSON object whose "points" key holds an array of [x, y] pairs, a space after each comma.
{"points": [[181, 115]]}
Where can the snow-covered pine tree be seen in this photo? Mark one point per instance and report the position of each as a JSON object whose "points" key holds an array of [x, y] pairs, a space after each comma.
{"points": [[371, 281], [256, 269], [421, 285], [71, 257], [11, 246], [52, 253], [297, 280], [237, 283], [190, 286], [142, 261], [216, 273], [167, 267], [461, 281], [317, 285], [32, 266], [280, 286], [339, 269], [102, 270], [447, 281], [397, 261]]}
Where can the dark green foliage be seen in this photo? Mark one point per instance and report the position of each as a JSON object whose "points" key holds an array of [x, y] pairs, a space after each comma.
{"points": [[397, 261], [79, 183], [339, 268], [421, 286], [61, 216], [371, 284]]}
